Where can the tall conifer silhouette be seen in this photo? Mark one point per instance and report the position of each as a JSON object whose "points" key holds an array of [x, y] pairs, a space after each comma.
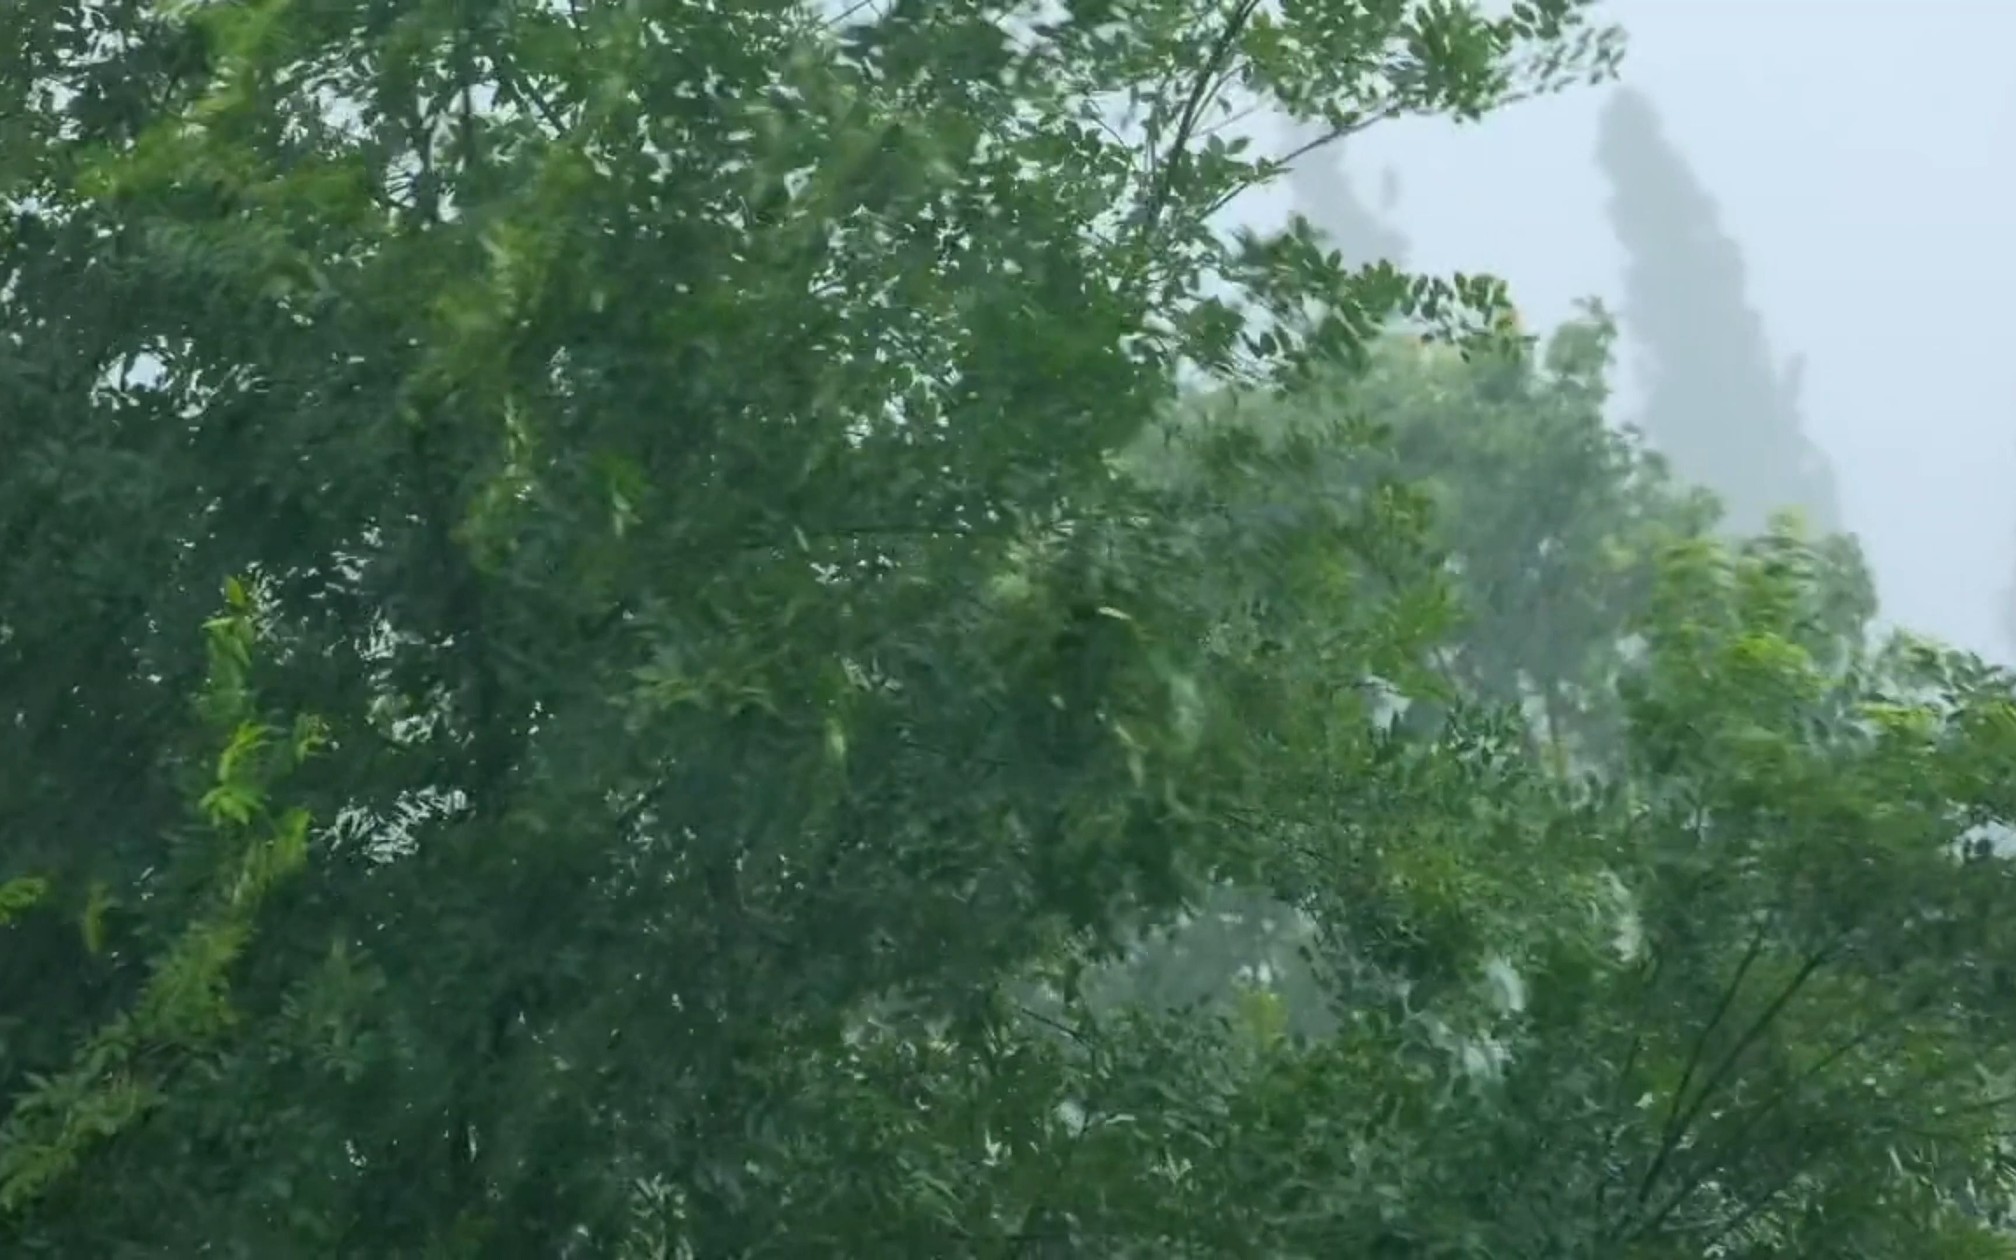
{"points": [[1716, 403]]}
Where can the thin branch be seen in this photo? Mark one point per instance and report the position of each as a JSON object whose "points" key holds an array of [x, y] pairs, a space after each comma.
{"points": [[1753, 1206], [1720, 1075], [1208, 77], [522, 89], [1055, 1025], [1230, 120], [1385, 113], [837, 20], [1671, 1130], [1724, 1156]]}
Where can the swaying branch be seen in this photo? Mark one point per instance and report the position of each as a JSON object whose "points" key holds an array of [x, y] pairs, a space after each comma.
{"points": [[1210, 75], [1712, 1086]]}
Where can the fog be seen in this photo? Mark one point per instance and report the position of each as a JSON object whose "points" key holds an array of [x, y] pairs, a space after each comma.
{"points": [[1858, 153]]}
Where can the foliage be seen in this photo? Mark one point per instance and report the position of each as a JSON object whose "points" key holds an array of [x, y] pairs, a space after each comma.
{"points": [[1555, 901], [772, 684], [125, 1068], [1544, 520]]}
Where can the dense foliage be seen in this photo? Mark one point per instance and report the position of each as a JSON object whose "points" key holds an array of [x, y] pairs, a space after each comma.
{"points": [[617, 639]]}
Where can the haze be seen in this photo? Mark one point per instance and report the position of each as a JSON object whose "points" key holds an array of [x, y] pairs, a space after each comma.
{"points": [[1857, 151]]}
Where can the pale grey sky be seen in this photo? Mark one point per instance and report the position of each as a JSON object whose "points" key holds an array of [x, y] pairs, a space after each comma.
{"points": [[1861, 153]]}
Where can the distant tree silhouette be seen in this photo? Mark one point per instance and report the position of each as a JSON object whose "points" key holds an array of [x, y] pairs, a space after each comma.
{"points": [[1324, 194], [1716, 404], [2008, 626]]}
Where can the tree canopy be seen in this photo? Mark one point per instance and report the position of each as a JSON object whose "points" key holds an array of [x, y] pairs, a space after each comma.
{"points": [[683, 629]]}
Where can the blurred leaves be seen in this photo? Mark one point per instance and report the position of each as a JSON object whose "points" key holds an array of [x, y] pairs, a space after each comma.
{"points": [[813, 663]]}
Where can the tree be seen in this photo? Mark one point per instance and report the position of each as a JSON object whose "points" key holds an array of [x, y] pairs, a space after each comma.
{"points": [[1681, 985], [1716, 404], [1548, 521], [712, 690], [1324, 193], [2008, 619], [1703, 1015], [678, 483]]}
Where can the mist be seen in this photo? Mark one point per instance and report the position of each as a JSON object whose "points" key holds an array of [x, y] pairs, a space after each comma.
{"points": [[1854, 155]]}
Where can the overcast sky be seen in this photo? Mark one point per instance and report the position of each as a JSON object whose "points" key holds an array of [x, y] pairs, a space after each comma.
{"points": [[1863, 154]]}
